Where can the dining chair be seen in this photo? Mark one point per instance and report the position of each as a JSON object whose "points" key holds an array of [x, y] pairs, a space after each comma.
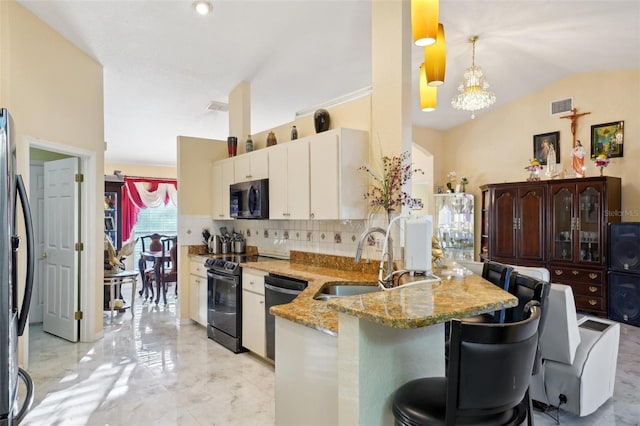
{"points": [[149, 243], [168, 268], [487, 380]]}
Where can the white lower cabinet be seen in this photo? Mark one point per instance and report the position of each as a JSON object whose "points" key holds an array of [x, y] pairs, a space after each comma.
{"points": [[253, 316], [198, 292]]}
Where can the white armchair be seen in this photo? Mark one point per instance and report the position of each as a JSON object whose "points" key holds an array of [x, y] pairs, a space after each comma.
{"points": [[579, 357]]}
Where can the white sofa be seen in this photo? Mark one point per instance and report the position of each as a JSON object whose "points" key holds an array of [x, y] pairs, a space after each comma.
{"points": [[579, 357]]}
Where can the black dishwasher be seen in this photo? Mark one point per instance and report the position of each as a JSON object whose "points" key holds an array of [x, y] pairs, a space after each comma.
{"points": [[278, 290]]}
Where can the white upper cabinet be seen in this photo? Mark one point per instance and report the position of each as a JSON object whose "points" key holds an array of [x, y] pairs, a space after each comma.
{"points": [[222, 176], [337, 186], [251, 166], [289, 180]]}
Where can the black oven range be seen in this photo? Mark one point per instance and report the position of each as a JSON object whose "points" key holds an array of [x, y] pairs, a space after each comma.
{"points": [[224, 301]]}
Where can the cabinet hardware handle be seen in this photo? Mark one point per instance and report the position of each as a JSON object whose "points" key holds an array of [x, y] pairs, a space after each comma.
{"points": [[313, 215], [593, 302], [519, 223], [515, 223], [251, 283], [593, 276], [262, 302], [573, 223], [558, 272], [593, 289], [197, 281], [574, 272], [577, 224]]}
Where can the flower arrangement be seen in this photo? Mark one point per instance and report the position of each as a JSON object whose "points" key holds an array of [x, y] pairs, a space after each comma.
{"points": [[602, 161], [386, 192], [451, 176], [534, 165], [534, 168]]}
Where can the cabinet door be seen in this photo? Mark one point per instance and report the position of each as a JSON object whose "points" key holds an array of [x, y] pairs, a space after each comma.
{"points": [[278, 184], [298, 180], [216, 187], [324, 173], [588, 219], [242, 168], [259, 164], [253, 322], [531, 223], [195, 283], [226, 180], [504, 224], [202, 302], [562, 224]]}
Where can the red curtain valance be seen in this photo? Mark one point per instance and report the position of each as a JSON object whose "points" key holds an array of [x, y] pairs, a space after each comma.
{"points": [[140, 193]]}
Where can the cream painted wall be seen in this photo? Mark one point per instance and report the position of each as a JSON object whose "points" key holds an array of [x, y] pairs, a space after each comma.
{"points": [[496, 146], [142, 170], [55, 93], [355, 114]]}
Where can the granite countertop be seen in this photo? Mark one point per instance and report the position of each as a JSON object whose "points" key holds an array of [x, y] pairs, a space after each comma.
{"points": [[414, 306]]}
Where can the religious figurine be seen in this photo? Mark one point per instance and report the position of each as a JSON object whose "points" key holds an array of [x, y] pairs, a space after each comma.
{"points": [[577, 159], [551, 162]]}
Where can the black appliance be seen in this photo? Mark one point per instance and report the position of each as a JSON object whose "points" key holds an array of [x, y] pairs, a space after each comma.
{"points": [[12, 322], [278, 290], [249, 200], [224, 302], [624, 272]]}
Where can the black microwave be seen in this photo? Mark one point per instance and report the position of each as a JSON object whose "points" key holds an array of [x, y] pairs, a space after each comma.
{"points": [[249, 200]]}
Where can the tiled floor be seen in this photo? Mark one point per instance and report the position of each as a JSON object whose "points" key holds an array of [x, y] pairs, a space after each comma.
{"points": [[155, 371]]}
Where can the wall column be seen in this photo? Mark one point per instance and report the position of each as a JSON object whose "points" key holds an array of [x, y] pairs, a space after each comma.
{"points": [[391, 45], [240, 113]]}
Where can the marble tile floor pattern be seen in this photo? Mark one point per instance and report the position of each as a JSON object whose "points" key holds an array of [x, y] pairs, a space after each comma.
{"points": [[155, 370]]}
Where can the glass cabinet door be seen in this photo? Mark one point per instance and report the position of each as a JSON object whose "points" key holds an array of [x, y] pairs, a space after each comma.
{"points": [[563, 224], [588, 224], [111, 202]]}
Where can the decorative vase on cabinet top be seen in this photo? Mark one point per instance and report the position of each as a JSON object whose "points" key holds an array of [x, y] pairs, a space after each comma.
{"points": [[321, 120], [271, 139], [294, 133], [249, 144]]}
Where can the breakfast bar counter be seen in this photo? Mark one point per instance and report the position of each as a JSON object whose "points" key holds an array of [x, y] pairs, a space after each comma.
{"points": [[340, 361]]}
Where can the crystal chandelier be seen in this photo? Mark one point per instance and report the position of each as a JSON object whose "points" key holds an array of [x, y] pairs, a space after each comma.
{"points": [[473, 89]]}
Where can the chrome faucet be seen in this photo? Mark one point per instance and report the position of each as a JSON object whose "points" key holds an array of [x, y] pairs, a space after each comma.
{"points": [[388, 254]]}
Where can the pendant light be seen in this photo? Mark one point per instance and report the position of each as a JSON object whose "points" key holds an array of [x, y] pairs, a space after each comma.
{"points": [[428, 94], [473, 89], [435, 59], [425, 15]]}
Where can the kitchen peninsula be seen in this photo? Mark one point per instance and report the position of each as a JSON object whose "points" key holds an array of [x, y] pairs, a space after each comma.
{"points": [[340, 361]]}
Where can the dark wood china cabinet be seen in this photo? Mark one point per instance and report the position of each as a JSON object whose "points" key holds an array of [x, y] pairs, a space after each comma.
{"points": [[558, 224]]}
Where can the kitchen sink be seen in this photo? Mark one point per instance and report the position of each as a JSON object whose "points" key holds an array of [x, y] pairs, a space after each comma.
{"points": [[341, 288]]}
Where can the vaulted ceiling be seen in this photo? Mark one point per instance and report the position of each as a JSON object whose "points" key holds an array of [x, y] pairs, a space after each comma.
{"points": [[163, 63]]}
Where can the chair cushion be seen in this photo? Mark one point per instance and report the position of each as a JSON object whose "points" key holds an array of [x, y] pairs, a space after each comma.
{"points": [[560, 338], [423, 402]]}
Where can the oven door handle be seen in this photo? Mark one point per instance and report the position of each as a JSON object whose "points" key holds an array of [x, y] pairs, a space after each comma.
{"points": [[221, 277], [281, 290]]}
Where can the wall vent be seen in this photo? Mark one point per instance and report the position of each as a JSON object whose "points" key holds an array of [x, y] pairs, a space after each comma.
{"points": [[218, 106], [561, 106]]}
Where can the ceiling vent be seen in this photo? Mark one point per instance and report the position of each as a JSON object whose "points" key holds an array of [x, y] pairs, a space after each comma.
{"points": [[561, 106], [218, 106]]}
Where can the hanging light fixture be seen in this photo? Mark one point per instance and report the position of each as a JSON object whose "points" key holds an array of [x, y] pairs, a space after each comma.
{"points": [[425, 15], [473, 89], [428, 94], [435, 59]]}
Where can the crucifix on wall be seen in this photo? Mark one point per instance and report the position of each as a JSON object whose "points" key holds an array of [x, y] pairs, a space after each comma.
{"points": [[578, 153], [574, 122]]}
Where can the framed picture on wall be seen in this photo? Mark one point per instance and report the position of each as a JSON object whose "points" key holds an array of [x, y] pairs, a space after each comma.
{"points": [[542, 145], [607, 139]]}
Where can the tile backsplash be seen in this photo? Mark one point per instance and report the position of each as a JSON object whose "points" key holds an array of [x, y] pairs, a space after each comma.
{"points": [[336, 237]]}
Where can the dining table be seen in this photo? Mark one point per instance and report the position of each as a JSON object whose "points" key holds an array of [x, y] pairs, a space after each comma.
{"points": [[158, 258]]}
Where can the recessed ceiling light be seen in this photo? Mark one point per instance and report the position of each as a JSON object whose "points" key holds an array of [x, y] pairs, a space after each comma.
{"points": [[202, 7]]}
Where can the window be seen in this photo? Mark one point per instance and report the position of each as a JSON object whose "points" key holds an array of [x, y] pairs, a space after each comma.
{"points": [[163, 220]]}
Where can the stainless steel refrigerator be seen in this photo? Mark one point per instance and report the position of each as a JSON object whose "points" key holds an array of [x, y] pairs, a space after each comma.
{"points": [[12, 321]]}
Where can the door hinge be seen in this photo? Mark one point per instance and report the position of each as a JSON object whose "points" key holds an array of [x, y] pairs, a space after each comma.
{"points": [[77, 315], [79, 246], [79, 177]]}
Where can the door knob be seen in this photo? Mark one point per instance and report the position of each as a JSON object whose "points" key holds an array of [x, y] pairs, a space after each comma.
{"points": [[43, 256]]}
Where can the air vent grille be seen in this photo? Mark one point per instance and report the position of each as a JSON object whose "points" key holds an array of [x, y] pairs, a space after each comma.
{"points": [[218, 106], [561, 106]]}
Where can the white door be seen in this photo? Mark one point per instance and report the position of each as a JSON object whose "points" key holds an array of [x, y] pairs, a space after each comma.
{"points": [[36, 199], [61, 234]]}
